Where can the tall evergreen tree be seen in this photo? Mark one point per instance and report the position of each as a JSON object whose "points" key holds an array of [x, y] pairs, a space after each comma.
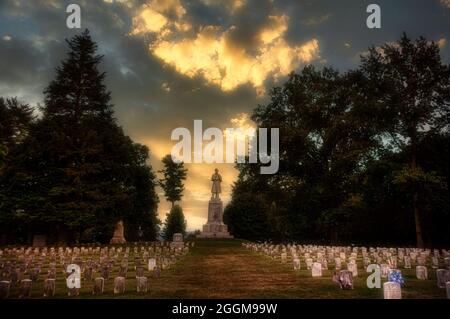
{"points": [[77, 172], [173, 176], [175, 222]]}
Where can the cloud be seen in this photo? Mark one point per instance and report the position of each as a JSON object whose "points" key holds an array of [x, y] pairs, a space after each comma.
{"points": [[213, 53], [315, 21]]}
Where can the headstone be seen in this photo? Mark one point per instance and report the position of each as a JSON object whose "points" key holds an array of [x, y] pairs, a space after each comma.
{"points": [[99, 284], [119, 285], [309, 263], [5, 287], [151, 264], [443, 276], [435, 262], [296, 264], [337, 263], [123, 269], [141, 284], [384, 270], [105, 272], [139, 271], [177, 241], [421, 272], [407, 261], [25, 288], [447, 262], [88, 273], [316, 269], [49, 287], [352, 266], [392, 290], [447, 285], [283, 257]]}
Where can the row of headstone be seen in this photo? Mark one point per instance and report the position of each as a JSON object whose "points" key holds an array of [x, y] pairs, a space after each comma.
{"points": [[318, 258], [22, 266]]}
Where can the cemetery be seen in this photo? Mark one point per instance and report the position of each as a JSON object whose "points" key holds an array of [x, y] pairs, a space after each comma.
{"points": [[223, 268], [109, 194]]}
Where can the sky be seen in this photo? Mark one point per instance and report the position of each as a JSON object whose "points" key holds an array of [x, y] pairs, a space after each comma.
{"points": [[170, 62]]}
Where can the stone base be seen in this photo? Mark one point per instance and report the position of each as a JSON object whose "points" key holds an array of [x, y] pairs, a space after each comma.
{"points": [[117, 240], [215, 230]]}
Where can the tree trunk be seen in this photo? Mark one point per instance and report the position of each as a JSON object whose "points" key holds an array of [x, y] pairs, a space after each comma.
{"points": [[419, 239]]}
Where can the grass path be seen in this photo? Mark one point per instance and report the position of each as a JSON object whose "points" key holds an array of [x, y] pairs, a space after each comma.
{"points": [[225, 269]]}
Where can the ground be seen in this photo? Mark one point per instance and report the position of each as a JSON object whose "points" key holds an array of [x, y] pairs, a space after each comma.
{"points": [[225, 269]]}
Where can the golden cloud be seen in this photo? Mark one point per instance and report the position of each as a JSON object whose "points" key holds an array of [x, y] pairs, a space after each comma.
{"points": [[211, 55], [210, 52]]}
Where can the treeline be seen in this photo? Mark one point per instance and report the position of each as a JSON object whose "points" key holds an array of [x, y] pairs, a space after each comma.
{"points": [[364, 155], [72, 173]]}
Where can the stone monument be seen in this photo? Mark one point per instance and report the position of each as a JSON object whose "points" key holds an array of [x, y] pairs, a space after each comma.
{"points": [[215, 228], [177, 241], [118, 237]]}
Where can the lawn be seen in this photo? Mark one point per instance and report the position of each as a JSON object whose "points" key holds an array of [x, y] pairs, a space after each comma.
{"points": [[225, 269]]}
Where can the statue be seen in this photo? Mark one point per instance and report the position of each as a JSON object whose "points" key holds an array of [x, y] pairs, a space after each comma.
{"points": [[214, 227], [216, 189]]}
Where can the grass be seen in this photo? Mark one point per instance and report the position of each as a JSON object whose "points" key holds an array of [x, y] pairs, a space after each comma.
{"points": [[217, 268]]}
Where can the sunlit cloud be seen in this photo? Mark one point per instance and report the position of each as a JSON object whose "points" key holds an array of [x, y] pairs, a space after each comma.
{"points": [[210, 52], [210, 55]]}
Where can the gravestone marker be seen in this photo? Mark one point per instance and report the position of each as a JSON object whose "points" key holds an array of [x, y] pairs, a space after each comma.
{"points": [[151, 264], [443, 276], [49, 287], [25, 288], [316, 270], [119, 285], [421, 272], [296, 264], [141, 284], [99, 284], [177, 241], [392, 290], [5, 287]]}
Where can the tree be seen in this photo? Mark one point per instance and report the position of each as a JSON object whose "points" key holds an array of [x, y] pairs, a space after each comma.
{"points": [[175, 222], [323, 143], [172, 182], [408, 93], [77, 172], [15, 121]]}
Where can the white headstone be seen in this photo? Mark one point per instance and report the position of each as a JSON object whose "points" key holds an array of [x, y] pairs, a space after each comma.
{"points": [[352, 266], [316, 270], [151, 264], [392, 290], [443, 276], [296, 264], [421, 272]]}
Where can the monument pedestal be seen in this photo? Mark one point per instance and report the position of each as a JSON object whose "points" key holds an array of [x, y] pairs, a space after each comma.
{"points": [[215, 228], [118, 237]]}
